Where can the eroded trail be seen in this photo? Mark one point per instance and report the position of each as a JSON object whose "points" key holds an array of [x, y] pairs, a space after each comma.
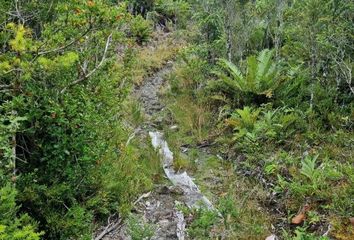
{"points": [[148, 94], [157, 208], [160, 207]]}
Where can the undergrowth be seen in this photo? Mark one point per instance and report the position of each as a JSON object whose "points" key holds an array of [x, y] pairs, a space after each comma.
{"points": [[276, 160]]}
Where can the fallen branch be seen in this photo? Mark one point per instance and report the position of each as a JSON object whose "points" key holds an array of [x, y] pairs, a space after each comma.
{"points": [[14, 145], [18, 12], [109, 228], [109, 39], [205, 144], [145, 195], [328, 231], [5, 86], [132, 136]]}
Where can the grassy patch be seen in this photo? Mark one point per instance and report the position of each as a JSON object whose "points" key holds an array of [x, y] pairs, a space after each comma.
{"points": [[237, 199], [192, 118], [155, 55]]}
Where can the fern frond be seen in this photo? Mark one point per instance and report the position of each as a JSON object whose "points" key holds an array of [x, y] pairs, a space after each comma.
{"points": [[261, 76], [264, 63], [238, 79], [252, 82]]}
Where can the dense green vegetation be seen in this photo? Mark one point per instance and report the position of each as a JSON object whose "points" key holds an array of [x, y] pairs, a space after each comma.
{"points": [[268, 82], [64, 158]]}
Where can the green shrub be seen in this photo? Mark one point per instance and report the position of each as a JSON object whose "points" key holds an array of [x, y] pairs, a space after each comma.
{"points": [[301, 234], [141, 6], [141, 29], [139, 230], [264, 124], [12, 226], [203, 222], [177, 11], [61, 131], [229, 211]]}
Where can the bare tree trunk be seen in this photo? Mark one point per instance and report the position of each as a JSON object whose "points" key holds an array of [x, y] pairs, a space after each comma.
{"points": [[313, 65], [14, 170], [227, 24], [229, 43], [279, 30]]}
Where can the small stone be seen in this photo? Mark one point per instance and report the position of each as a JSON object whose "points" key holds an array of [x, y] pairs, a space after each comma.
{"points": [[272, 237], [164, 190], [174, 128], [176, 190]]}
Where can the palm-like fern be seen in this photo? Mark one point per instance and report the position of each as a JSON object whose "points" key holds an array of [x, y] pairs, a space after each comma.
{"points": [[245, 118], [261, 77]]}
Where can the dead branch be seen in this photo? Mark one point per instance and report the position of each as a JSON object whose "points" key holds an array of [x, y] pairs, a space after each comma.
{"points": [[5, 86], [132, 136], [346, 71], [18, 12], [66, 45], [109, 39], [14, 144], [109, 228], [145, 195]]}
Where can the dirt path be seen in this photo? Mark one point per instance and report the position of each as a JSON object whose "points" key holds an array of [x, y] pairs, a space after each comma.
{"points": [[148, 92], [157, 208], [160, 207]]}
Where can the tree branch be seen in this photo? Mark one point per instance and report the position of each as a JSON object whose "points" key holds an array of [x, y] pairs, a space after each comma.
{"points": [[109, 228], [18, 13], [65, 46], [109, 39], [2, 87]]}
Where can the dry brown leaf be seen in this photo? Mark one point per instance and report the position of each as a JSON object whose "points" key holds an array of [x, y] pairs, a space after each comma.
{"points": [[351, 220], [301, 216], [90, 3], [298, 218], [306, 208], [14, 178], [78, 11], [223, 194]]}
